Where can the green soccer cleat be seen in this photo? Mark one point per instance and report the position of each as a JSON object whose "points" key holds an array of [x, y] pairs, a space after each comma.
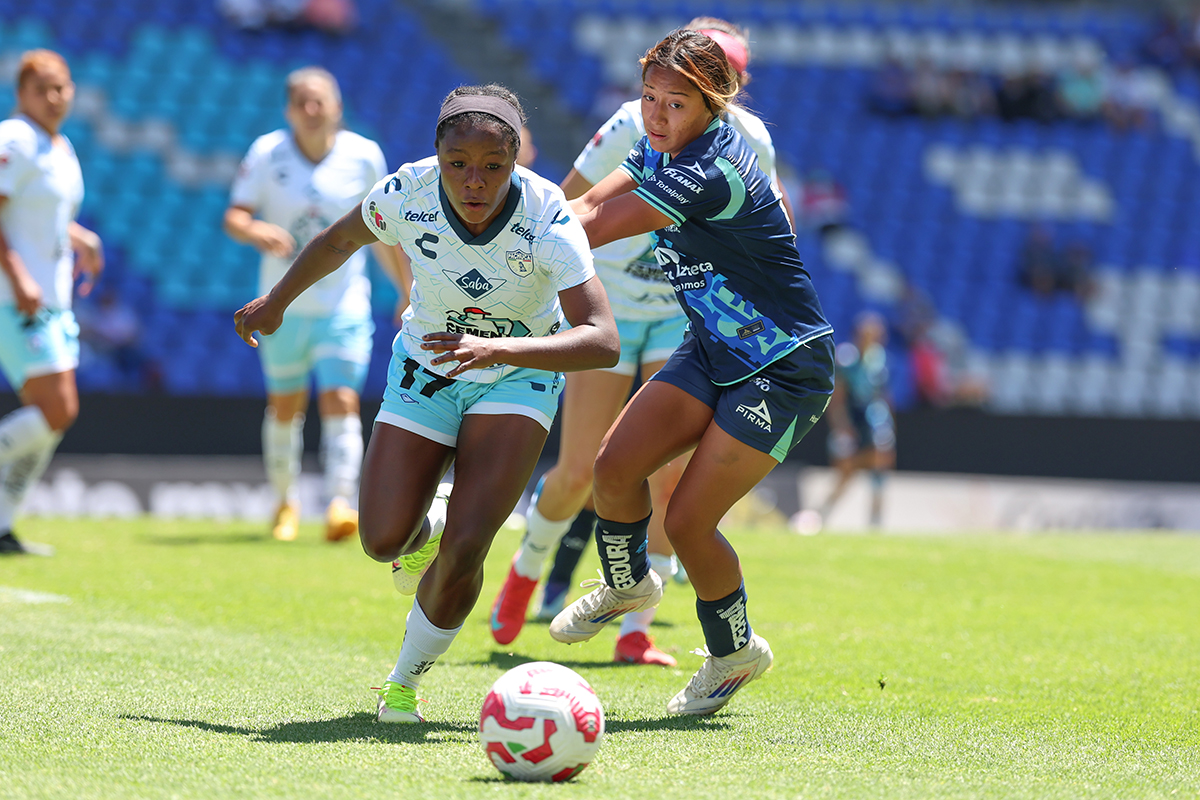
{"points": [[397, 703]]}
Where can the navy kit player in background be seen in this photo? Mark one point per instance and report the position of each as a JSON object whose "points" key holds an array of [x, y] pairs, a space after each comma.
{"points": [[292, 184], [751, 379], [500, 266], [42, 250], [862, 434]]}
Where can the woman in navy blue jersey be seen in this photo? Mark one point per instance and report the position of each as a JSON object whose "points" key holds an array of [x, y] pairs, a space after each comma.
{"points": [[750, 380]]}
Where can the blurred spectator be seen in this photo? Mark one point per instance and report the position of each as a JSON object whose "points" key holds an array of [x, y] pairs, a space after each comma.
{"points": [[1027, 95], [334, 16], [1167, 46], [824, 206], [938, 353], [1128, 97], [1081, 91], [110, 330], [1039, 267], [1045, 270], [930, 90], [969, 95], [891, 91]]}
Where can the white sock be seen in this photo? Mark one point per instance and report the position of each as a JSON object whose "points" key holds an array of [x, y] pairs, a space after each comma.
{"points": [[283, 447], [24, 432], [342, 451], [424, 643], [541, 536], [640, 620], [19, 477]]}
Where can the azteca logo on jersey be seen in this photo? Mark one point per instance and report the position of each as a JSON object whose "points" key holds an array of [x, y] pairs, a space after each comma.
{"points": [[474, 284], [683, 277], [376, 217], [477, 322]]}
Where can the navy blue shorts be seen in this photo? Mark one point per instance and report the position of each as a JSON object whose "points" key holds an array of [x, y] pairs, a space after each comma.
{"points": [[770, 411]]}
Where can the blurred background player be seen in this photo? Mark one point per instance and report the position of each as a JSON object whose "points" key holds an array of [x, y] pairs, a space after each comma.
{"points": [[293, 184], [652, 325], [473, 378], [861, 431], [42, 251], [752, 377]]}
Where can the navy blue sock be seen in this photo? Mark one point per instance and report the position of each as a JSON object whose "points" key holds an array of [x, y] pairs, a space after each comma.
{"points": [[570, 548], [622, 548], [724, 622]]}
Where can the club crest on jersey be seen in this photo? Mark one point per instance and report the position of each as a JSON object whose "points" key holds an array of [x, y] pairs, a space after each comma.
{"points": [[477, 322], [376, 217], [473, 283], [520, 262]]}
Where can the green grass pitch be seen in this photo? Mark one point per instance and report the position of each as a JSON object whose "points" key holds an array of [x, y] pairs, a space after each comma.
{"points": [[203, 660]]}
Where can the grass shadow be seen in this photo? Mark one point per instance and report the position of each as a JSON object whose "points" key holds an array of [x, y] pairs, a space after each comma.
{"points": [[505, 661], [353, 727], [192, 540]]}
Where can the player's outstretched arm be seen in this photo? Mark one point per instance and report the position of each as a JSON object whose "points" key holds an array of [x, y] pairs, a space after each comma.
{"points": [[328, 250], [591, 342], [609, 211]]}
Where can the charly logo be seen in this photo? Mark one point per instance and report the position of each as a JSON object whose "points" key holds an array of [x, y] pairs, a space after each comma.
{"points": [[520, 262], [376, 217], [478, 322], [394, 183], [428, 238], [473, 283], [759, 415]]}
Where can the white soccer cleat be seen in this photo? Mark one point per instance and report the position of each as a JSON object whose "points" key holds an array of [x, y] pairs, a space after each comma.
{"points": [[715, 683], [584, 618], [408, 570]]}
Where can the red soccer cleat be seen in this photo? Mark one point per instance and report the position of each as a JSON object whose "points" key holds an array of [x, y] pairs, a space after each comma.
{"points": [[638, 648], [508, 613]]}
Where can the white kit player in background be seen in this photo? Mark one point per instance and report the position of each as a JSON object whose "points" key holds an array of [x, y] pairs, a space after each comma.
{"points": [[42, 251], [652, 324], [292, 185], [504, 299]]}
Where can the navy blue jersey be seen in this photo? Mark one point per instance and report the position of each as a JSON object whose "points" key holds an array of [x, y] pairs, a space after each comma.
{"points": [[730, 253]]}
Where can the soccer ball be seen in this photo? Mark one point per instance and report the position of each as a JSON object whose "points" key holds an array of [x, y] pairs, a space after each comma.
{"points": [[541, 722]]}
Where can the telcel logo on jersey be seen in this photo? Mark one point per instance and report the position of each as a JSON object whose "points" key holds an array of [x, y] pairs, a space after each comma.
{"points": [[758, 415], [420, 216], [522, 231], [683, 180], [376, 217]]}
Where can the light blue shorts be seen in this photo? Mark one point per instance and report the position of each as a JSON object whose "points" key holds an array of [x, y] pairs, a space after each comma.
{"points": [[44, 344], [337, 348], [431, 406], [647, 342]]}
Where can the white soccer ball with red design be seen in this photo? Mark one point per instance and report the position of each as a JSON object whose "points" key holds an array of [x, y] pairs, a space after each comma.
{"points": [[541, 722]]}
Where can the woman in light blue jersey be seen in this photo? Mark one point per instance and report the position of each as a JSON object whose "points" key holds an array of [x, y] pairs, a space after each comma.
{"points": [[499, 266], [42, 250], [753, 376], [292, 183]]}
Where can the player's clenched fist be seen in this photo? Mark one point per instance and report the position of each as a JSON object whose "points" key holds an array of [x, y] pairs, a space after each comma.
{"points": [[260, 315]]}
